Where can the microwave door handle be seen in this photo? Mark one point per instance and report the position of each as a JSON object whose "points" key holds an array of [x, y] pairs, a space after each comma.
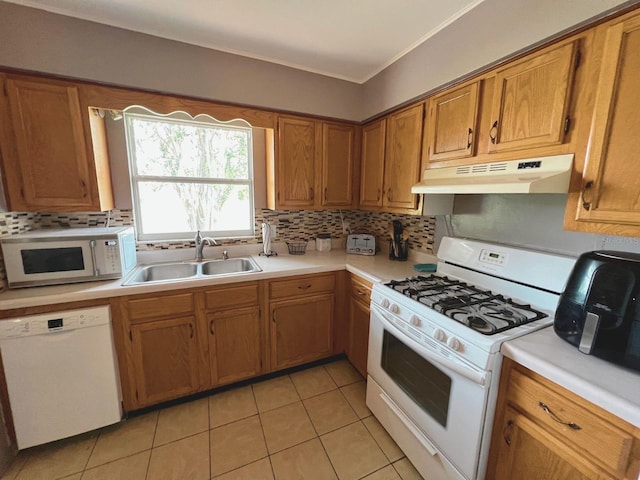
{"points": [[588, 337], [92, 246]]}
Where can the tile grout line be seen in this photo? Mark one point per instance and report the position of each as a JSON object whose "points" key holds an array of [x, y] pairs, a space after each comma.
{"points": [[155, 432], [264, 437]]}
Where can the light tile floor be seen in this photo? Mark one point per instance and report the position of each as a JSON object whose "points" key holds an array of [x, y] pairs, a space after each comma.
{"points": [[309, 425]]}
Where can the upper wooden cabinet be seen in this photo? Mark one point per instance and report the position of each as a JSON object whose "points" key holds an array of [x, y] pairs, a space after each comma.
{"points": [[611, 178], [54, 153], [314, 164], [451, 124], [531, 99], [386, 181]]}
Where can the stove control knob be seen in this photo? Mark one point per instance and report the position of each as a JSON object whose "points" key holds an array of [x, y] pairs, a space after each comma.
{"points": [[385, 303], [415, 321], [393, 308], [439, 335], [454, 344]]}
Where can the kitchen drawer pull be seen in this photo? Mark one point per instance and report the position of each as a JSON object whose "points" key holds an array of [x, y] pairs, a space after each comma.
{"points": [[494, 135], [586, 204], [304, 287], [470, 138], [360, 292], [555, 418]]}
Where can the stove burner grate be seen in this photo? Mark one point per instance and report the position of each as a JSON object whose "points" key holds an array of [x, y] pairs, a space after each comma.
{"points": [[481, 310]]}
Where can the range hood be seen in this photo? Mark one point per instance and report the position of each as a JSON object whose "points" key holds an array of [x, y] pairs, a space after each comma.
{"points": [[531, 175]]}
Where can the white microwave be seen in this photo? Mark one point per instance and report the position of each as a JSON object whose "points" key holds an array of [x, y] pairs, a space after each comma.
{"points": [[70, 255]]}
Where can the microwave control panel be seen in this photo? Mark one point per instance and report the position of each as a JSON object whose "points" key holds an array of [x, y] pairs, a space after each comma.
{"points": [[110, 252]]}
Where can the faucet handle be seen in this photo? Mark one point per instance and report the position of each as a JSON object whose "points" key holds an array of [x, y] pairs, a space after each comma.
{"points": [[198, 238]]}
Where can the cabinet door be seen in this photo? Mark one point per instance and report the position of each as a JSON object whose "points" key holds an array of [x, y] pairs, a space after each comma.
{"points": [[165, 358], [526, 451], [402, 161], [235, 341], [611, 180], [296, 162], [301, 330], [531, 100], [52, 168], [452, 123], [337, 165], [372, 168], [358, 346]]}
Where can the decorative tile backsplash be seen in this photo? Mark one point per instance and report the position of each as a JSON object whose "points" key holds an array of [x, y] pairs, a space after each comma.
{"points": [[290, 225]]}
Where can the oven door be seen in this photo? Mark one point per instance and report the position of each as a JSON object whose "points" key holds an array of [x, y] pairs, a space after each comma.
{"points": [[439, 398], [49, 262]]}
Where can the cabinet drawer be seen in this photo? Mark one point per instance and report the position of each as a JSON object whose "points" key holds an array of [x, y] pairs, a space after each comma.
{"points": [[597, 438], [157, 307], [240, 296], [360, 289], [302, 286]]}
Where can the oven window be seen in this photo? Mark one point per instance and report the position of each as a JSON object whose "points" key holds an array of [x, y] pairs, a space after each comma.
{"points": [[49, 260], [429, 387]]}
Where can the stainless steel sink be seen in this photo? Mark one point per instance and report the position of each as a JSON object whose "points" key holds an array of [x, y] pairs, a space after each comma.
{"points": [[180, 271]]}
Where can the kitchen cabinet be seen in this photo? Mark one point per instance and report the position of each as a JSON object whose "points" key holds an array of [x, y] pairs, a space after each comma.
{"points": [[451, 124], [54, 150], [542, 430], [310, 152], [301, 314], [531, 99], [388, 188], [235, 332], [358, 343], [610, 183]]}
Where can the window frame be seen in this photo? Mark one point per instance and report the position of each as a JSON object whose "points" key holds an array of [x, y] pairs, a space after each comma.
{"points": [[183, 118]]}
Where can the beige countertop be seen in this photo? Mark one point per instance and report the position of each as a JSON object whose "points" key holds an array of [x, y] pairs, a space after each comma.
{"points": [[614, 388], [374, 268]]}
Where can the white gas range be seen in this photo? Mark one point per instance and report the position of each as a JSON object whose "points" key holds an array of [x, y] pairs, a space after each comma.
{"points": [[434, 348]]}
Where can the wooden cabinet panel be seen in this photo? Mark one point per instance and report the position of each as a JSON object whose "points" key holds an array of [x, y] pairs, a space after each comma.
{"points": [[160, 306], [452, 124], [165, 359], [47, 149], [372, 169], [232, 296], [337, 165], [531, 99], [235, 345], [307, 285], [402, 157], [611, 179], [301, 330], [358, 347], [296, 162]]}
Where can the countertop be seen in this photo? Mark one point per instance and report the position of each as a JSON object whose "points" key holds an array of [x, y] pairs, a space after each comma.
{"points": [[373, 268], [612, 387]]}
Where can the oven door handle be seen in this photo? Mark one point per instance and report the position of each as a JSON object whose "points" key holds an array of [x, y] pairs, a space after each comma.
{"points": [[477, 376], [406, 421]]}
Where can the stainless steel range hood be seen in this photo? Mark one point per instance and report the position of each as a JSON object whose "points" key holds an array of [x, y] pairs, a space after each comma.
{"points": [[532, 175]]}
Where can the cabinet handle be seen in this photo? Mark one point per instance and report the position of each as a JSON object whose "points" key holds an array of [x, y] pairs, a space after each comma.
{"points": [[469, 138], [586, 204], [304, 287], [325, 194], [389, 195], [311, 193], [506, 433], [191, 330], [360, 292], [211, 328], [378, 197], [84, 188], [555, 418], [494, 136]]}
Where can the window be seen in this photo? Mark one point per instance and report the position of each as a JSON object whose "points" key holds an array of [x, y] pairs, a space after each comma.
{"points": [[189, 174]]}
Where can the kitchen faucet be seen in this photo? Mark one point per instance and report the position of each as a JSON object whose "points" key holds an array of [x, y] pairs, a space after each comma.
{"points": [[200, 243]]}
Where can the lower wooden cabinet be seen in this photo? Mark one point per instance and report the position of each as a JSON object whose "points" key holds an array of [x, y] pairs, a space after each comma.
{"points": [[165, 359], [542, 430], [358, 343]]}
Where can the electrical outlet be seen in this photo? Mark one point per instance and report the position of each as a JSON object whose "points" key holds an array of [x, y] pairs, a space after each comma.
{"points": [[346, 228], [273, 231]]}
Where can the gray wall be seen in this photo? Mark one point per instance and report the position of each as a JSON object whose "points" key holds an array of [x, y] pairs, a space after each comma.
{"points": [[489, 32], [37, 40]]}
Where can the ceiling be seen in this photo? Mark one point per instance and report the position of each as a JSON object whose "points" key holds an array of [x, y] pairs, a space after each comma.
{"points": [[347, 39]]}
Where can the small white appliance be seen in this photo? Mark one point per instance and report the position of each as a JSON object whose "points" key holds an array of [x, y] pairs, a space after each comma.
{"points": [[61, 374], [361, 244], [434, 348], [70, 255]]}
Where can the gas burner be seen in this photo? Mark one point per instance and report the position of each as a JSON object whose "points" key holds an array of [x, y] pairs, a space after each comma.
{"points": [[481, 310]]}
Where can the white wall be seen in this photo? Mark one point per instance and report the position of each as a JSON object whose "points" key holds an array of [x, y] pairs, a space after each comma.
{"points": [[36, 40], [489, 32]]}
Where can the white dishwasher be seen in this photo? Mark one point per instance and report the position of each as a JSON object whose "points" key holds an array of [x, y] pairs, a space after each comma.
{"points": [[61, 373]]}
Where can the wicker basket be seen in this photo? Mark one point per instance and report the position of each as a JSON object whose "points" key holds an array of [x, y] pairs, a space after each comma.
{"points": [[297, 247]]}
